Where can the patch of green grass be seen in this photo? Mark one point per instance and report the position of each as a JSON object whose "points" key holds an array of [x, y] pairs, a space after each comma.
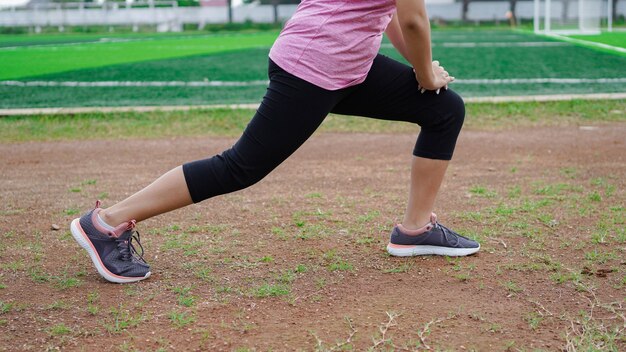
{"points": [[600, 257], [5, 307], [59, 330], [402, 268], [341, 265], [32, 61], [267, 259], [122, 319], [512, 287], [301, 268], [204, 274], [533, 319], [268, 290], [226, 122], [71, 211], [482, 191], [184, 298], [181, 319], [64, 281], [57, 305], [617, 39]]}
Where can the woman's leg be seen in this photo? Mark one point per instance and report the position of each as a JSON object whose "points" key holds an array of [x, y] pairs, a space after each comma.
{"points": [[290, 112], [166, 193], [391, 92]]}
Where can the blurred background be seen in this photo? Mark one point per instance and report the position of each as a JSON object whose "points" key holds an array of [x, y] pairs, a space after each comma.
{"points": [[57, 53]]}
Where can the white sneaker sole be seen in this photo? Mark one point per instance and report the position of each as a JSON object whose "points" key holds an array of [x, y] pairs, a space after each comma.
{"points": [[82, 239], [399, 250]]}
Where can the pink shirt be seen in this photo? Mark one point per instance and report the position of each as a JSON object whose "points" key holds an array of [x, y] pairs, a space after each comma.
{"points": [[332, 43]]}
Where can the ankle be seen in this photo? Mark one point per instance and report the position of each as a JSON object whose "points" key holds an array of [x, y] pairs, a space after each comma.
{"points": [[108, 218]]}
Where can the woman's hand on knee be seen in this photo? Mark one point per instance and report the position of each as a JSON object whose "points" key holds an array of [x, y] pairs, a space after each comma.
{"points": [[438, 80]]}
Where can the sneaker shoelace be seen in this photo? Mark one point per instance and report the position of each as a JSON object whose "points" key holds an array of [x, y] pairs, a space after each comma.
{"points": [[447, 232], [128, 250]]}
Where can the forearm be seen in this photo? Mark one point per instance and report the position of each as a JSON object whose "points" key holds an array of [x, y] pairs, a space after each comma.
{"points": [[415, 29]]}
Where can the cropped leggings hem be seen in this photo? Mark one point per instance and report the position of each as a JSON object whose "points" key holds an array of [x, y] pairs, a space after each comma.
{"points": [[292, 109]]}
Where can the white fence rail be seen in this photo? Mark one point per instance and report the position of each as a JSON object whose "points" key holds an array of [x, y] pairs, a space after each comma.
{"points": [[168, 16]]}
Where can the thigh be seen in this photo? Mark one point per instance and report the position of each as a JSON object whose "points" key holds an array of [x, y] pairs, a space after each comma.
{"points": [[390, 92], [290, 112]]}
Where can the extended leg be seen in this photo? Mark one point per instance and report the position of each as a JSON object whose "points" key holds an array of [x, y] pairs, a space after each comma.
{"points": [[167, 193], [291, 111]]}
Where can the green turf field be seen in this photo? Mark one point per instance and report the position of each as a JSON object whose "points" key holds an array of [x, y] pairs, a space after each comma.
{"points": [[617, 39], [194, 69]]}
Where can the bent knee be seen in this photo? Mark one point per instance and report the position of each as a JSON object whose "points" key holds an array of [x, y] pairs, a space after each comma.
{"points": [[455, 109]]}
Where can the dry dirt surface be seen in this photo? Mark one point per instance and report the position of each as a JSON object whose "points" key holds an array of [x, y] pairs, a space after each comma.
{"points": [[298, 261]]}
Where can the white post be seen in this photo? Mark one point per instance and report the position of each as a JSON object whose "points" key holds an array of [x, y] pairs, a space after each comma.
{"points": [[609, 18], [536, 15], [581, 13], [546, 26]]}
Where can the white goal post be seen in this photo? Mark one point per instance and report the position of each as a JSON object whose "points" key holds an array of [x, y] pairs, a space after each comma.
{"points": [[572, 16]]}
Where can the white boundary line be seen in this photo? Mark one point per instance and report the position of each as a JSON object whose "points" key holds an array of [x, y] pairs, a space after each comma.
{"points": [[207, 83], [588, 43], [82, 110], [490, 44]]}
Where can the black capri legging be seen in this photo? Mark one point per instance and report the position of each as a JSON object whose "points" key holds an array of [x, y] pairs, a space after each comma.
{"points": [[293, 109]]}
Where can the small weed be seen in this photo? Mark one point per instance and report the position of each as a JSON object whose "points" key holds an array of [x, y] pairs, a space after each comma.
{"points": [[103, 195], [569, 172], [287, 277], [494, 327], [59, 329], [403, 268], [267, 259], [181, 319], [599, 257], [122, 320], [341, 265], [514, 192], [301, 268], [267, 290], [204, 274], [57, 305], [37, 275], [367, 240], [14, 266], [93, 297], [184, 297], [2, 286], [368, 217], [64, 281], [279, 232], [482, 191], [5, 307], [512, 287], [88, 182], [595, 197], [533, 320], [92, 309], [71, 211], [224, 289], [313, 195], [598, 237]]}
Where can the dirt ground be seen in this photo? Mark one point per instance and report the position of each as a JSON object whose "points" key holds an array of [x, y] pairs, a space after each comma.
{"points": [[298, 261]]}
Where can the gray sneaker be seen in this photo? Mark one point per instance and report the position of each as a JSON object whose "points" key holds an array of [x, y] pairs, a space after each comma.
{"points": [[433, 238], [112, 252]]}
